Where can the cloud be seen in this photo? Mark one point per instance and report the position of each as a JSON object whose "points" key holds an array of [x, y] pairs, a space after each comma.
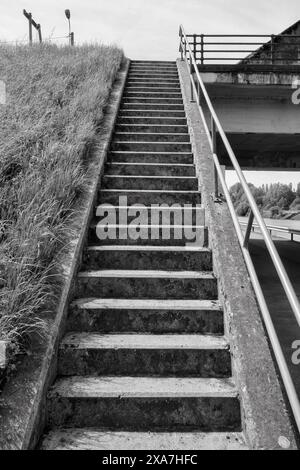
{"points": [[148, 29]]}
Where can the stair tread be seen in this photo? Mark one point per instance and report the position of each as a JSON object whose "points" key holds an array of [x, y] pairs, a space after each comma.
{"points": [[153, 177], [128, 274], [178, 249], [88, 340], [133, 387], [146, 304], [98, 439]]}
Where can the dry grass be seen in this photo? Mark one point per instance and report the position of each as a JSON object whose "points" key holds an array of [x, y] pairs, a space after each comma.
{"points": [[56, 98]]}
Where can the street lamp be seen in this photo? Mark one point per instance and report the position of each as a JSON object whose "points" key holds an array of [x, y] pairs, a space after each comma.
{"points": [[71, 35]]}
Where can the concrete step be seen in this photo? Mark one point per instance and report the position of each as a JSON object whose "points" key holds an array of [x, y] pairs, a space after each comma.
{"points": [[153, 62], [145, 404], [135, 98], [155, 146], [151, 137], [129, 94], [149, 169], [95, 354], [151, 158], [99, 439], [155, 106], [112, 196], [147, 284], [170, 183], [148, 86], [152, 121], [148, 257], [160, 129], [146, 316]]}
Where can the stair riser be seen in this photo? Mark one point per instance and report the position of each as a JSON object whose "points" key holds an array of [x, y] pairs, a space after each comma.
{"points": [[131, 157], [151, 137], [149, 183], [145, 362], [151, 147], [147, 199], [152, 100], [146, 321], [143, 121], [137, 414], [163, 106], [154, 128], [150, 170], [137, 94], [193, 261], [153, 66], [145, 288], [151, 113], [153, 76]]}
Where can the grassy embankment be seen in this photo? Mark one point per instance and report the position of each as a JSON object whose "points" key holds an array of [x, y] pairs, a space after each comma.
{"points": [[55, 102]]}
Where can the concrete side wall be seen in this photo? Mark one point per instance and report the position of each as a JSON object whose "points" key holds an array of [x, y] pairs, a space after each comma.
{"points": [[23, 398], [265, 416]]}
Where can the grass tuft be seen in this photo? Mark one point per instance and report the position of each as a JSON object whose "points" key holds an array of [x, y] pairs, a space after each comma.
{"points": [[55, 102]]}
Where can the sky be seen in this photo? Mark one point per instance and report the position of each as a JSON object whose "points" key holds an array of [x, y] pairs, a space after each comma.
{"points": [[148, 29]]}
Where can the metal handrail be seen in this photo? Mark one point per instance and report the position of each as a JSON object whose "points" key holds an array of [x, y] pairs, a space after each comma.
{"points": [[200, 92], [277, 50]]}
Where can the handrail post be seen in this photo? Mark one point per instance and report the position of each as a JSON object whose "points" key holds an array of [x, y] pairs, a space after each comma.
{"points": [[272, 49], [202, 49], [195, 46], [214, 150]]}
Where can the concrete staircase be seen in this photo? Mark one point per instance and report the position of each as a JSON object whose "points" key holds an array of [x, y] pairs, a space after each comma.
{"points": [[145, 363]]}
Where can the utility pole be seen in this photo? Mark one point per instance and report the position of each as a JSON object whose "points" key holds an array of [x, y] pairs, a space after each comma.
{"points": [[71, 35], [31, 23]]}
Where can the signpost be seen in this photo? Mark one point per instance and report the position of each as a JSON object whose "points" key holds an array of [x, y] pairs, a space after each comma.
{"points": [[32, 23]]}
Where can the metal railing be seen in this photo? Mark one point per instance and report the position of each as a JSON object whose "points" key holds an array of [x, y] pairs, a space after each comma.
{"points": [[246, 48], [276, 228], [199, 92]]}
